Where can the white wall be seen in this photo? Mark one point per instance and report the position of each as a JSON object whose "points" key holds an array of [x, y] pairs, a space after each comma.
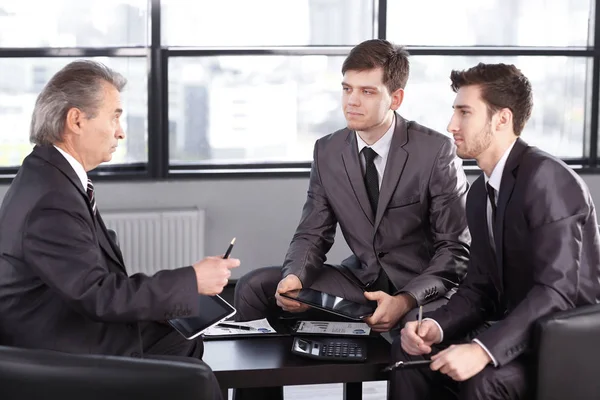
{"points": [[261, 213]]}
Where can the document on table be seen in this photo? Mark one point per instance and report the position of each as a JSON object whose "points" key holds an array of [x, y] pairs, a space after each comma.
{"points": [[258, 327], [334, 328]]}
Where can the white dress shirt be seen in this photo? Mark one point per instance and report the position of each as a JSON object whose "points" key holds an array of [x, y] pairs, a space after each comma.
{"points": [[78, 168], [381, 147], [494, 180]]}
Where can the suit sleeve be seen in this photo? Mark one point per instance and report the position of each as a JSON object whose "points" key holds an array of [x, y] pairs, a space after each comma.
{"points": [[61, 248], [447, 187], [315, 233], [557, 207]]}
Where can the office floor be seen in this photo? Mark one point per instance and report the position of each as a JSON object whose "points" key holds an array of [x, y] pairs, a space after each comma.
{"points": [[371, 390]]}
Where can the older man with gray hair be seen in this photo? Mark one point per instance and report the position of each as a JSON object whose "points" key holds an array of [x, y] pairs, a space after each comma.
{"points": [[63, 283]]}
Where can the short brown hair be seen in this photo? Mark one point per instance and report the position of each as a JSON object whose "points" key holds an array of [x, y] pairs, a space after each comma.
{"points": [[379, 53], [502, 86]]}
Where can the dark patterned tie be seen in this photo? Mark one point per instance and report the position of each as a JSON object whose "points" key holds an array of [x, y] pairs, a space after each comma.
{"points": [[371, 177], [90, 193], [491, 192]]}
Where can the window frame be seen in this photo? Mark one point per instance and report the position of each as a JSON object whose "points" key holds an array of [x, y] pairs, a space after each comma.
{"points": [[157, 57]]}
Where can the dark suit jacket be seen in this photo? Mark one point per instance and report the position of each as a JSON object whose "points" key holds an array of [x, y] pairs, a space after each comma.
{"points": [[63, 285], [419, 235], [547, 258]]}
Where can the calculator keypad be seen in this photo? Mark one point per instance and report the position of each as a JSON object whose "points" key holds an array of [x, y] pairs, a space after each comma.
{"points": [[337, 349]]}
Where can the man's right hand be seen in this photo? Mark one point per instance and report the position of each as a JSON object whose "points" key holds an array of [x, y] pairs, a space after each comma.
{"points": [[212, 274], [419, 343], [287, 284]]}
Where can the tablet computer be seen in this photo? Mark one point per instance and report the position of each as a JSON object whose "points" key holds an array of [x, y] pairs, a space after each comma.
{"points": [[333, 304], [213, 309]]}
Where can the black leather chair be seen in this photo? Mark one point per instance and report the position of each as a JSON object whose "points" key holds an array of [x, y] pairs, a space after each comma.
{"points": [[37, 374], [568, 355]]}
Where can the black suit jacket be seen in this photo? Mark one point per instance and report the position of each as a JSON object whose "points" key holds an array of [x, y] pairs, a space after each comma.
{"points": [[547, 253], [63, 285], [419, 234]]}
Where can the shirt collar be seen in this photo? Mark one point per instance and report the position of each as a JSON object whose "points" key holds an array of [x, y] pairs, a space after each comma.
{"points": [[496, 178], [77, 167], [382, 146]]}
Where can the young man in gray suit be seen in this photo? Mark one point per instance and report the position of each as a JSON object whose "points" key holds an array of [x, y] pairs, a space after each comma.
{"points": [[535, 251], [63, 283], [397, 190]]}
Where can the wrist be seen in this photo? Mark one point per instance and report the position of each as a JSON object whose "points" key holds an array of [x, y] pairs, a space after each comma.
{"points": [[482, 353], [407, 299]]}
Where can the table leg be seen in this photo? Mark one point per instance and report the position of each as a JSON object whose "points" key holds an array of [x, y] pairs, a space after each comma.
{"points": [[353, 391]]}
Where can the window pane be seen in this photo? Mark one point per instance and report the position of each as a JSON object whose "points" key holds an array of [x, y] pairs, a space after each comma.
{"points": [[22, 80], [252, 109], [559, 89], [490, 22], [266, 22], [73, 23]]}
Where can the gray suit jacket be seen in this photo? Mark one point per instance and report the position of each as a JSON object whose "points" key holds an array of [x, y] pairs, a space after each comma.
{"points": [[547, 258], [419, 235]]}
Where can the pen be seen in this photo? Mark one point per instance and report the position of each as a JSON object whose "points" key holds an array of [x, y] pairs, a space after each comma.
{"points": [[407, 364], [420, 318], [228, 252], [232, 326]]}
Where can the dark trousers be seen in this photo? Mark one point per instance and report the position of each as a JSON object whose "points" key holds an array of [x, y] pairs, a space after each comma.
{"points": [[508, 382], [255, 299], [162, 342]]}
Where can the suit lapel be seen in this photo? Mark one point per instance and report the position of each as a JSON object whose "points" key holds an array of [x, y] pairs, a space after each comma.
{"points": [[107, 244], [394, 166], [355, 175], [506, 189]]}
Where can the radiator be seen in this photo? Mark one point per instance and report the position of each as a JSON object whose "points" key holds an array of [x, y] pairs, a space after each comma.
{"points": [[158, 239]]}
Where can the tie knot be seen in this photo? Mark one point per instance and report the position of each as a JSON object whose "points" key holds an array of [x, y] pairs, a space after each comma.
{"points": [[369, 154]]}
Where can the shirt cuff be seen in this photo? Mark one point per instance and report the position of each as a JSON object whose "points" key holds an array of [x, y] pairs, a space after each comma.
{"points": [[439, 327], [487, 351]]}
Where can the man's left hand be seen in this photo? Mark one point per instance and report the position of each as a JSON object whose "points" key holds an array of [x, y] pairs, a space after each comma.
{"points": [[461, 362], [389, 310]]}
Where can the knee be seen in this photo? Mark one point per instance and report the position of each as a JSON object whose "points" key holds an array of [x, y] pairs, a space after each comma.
{"points": [[481, 386], [257, 283]]}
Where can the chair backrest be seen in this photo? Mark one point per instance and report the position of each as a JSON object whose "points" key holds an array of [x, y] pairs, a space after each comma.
{"points": [[33, 374], [568, 351]]}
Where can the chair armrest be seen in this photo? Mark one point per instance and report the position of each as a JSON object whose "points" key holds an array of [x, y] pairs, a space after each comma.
{"points": [[568, 354], [33, 374]]}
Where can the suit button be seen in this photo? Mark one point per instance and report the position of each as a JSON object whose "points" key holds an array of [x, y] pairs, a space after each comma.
{"points": [[381, 254]]}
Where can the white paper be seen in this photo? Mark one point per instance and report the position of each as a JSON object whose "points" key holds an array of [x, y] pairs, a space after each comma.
{"points": [[334, 328], [260, 326]]}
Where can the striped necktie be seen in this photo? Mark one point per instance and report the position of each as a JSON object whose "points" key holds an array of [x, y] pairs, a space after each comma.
{"points": [[90, 193]]}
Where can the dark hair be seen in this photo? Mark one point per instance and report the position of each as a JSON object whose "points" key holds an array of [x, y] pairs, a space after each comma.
{"points": [[379, 53], [502, 86]]}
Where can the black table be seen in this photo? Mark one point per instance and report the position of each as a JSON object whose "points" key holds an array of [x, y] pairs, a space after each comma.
{"points": [[268, 362]]}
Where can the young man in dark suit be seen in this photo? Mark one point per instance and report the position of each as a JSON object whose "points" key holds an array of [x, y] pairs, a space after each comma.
{"points": [[397, 191], [535, 250], [63, 284]]}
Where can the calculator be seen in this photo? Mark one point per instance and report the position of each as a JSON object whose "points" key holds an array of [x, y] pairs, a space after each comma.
{"points": [[330, 349]]}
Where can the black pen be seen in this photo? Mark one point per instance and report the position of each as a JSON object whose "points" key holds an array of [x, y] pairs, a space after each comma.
{"points": [[232, 326], [228, 252]]}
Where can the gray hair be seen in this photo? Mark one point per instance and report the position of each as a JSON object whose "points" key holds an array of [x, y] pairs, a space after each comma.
{"points": [[77, 85]]}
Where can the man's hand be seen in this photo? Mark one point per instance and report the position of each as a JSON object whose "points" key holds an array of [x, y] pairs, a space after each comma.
{"points": [[287, 284], [389, 310], [212, 274], [461, 362], [419, 343]]}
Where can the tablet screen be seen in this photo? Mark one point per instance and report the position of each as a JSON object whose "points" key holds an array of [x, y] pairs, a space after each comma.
{"points": [[213, 309], [331, 303]]}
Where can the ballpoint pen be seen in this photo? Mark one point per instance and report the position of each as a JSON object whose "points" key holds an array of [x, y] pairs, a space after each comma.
{"points": [[407, 364], [420, 318], [228, 252], [240, 327]]}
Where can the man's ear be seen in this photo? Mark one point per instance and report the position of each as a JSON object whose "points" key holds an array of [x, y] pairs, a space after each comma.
{"points": [[505, 119], [397, 98], [74, 120]]}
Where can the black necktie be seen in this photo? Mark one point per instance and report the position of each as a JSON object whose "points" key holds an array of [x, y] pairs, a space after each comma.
{"points": [[90, 193], [371, 178], [491, 192]]}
